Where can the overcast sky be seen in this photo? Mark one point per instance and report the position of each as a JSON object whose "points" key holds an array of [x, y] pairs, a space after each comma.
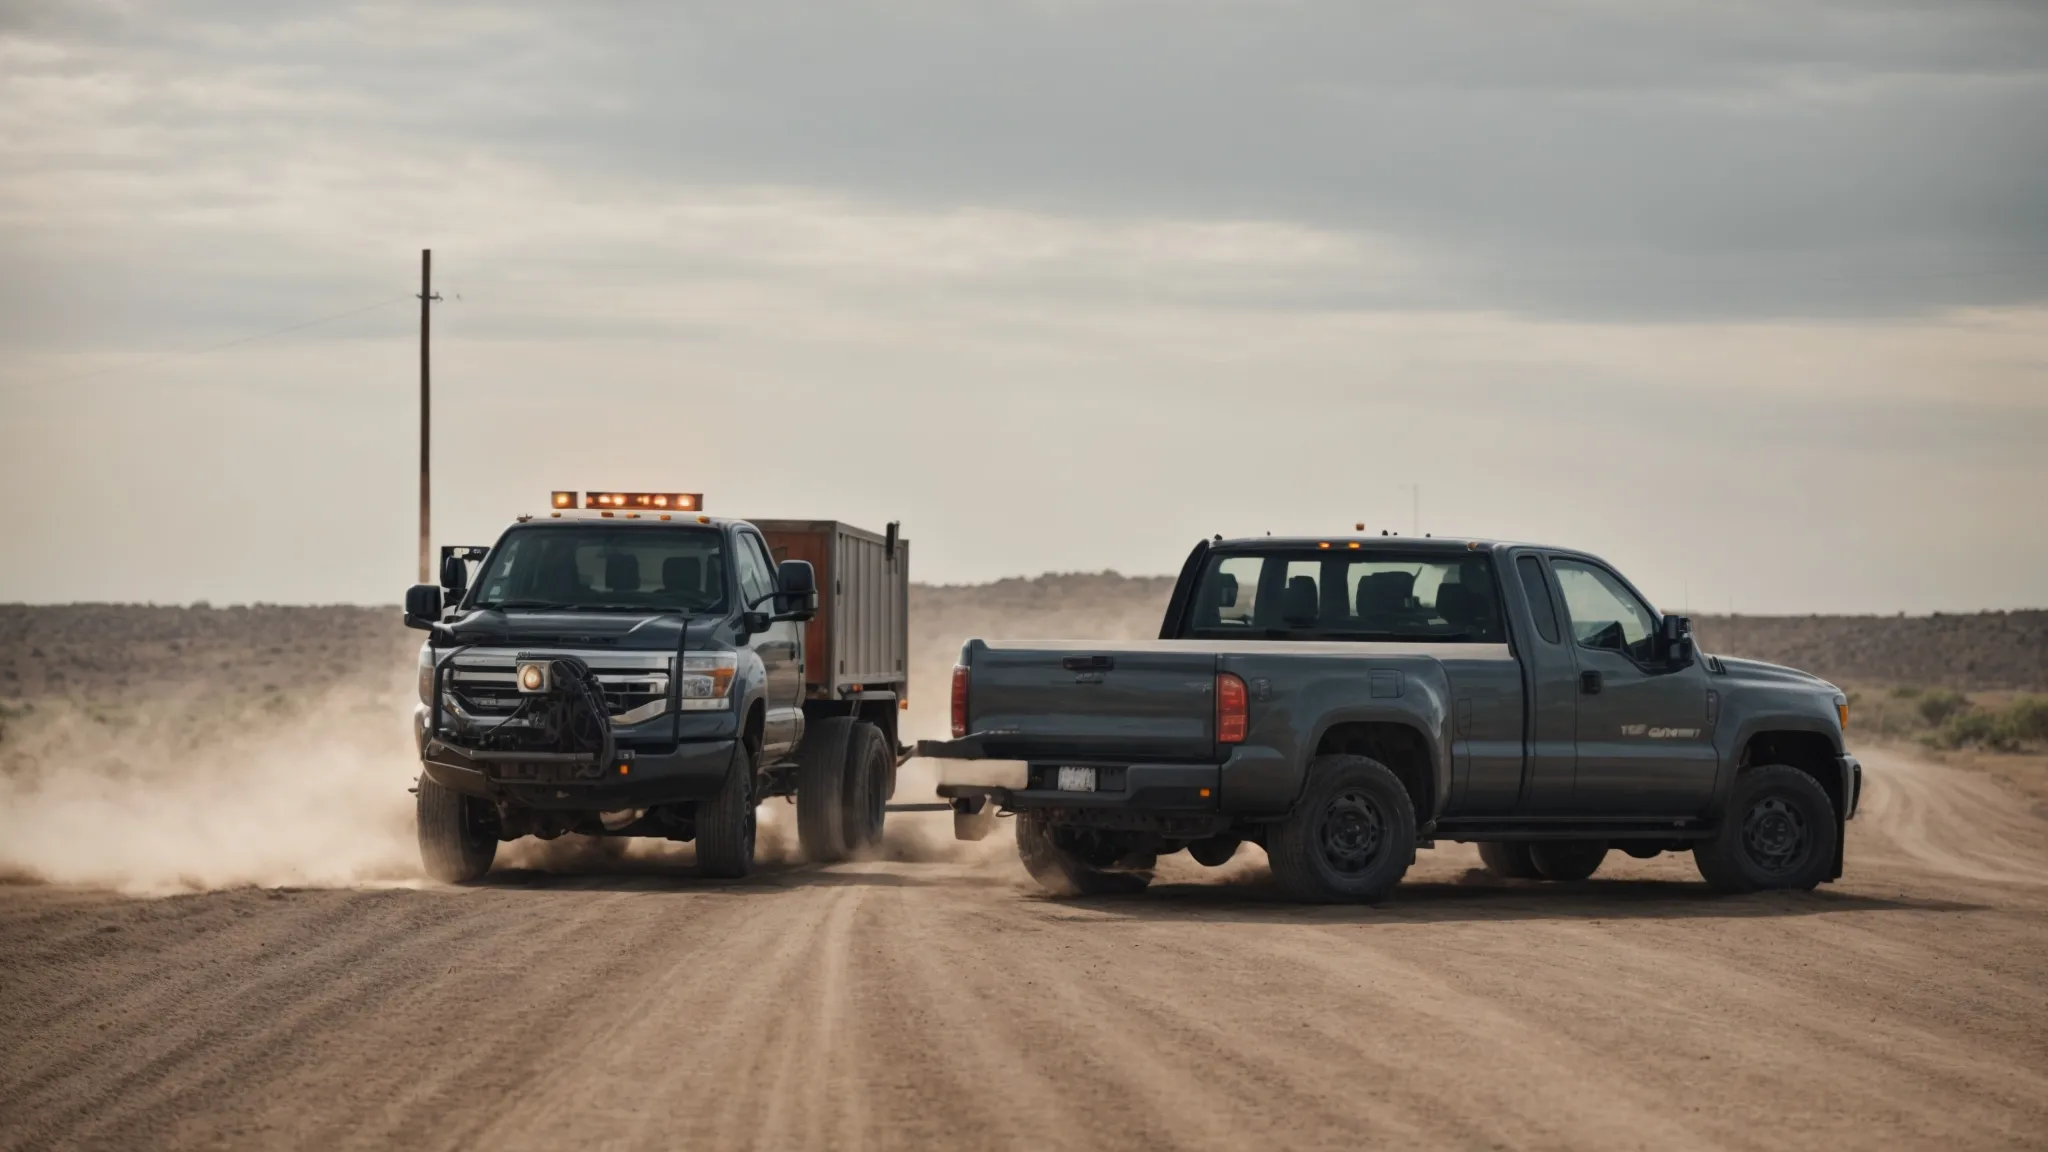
{"points": [[1751, 299]]}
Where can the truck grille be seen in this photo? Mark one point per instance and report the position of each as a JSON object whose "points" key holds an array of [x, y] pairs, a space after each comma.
{"points": [[484, 686]]}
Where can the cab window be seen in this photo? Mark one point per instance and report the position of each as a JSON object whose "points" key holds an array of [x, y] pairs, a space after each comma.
{"points": [[1604, 614], [754, 580], [1349, 595]]}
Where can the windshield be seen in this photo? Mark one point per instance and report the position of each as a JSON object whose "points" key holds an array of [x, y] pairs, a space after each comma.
{"points": [[1346, 595], [603, 568]]}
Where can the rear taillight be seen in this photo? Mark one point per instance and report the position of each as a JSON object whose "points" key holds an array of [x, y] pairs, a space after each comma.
{"points": [[959, 700], [1232, 709]]}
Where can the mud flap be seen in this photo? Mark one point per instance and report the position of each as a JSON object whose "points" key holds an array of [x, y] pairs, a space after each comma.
{"points": [[974, 817]]}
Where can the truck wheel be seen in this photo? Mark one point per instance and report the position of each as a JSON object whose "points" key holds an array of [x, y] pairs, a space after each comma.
{"points": [[1778, 832], [867, 787], [725, 823], [1351, 838], [1567, 860], [821, 788], [1508, 860], [1067, 864], [458, 834]]}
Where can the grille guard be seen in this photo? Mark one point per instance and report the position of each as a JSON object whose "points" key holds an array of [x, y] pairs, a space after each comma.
{"points": [[585, 691]]}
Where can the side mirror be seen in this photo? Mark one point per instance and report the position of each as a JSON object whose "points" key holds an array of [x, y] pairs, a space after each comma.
{"points": [[1675, 636], [422, 606], [796, 590], [454, 576]]}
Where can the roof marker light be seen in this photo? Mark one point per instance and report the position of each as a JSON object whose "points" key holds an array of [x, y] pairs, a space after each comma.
{"points": [[644, 501]]}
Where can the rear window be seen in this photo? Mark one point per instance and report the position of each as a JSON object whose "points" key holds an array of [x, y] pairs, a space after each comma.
{"points": [[1330, 595]]}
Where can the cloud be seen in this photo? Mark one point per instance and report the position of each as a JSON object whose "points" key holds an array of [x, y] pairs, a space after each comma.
{"points": [[1573, 160], [1070, 282]]}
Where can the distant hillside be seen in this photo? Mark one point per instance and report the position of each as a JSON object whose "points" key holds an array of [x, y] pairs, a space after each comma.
{"points": [[1981, 651]]}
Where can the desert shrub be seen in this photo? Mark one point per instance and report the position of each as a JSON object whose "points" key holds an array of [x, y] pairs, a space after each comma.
{"points": [[1906, 692], [2007, 729], [2026, 719], [1942, 704], [1973, 729]]}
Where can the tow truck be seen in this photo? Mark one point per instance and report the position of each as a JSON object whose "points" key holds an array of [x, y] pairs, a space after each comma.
{"points": [[624, 664]]}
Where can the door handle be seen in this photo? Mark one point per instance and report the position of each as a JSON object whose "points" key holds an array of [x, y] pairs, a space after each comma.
{"points": [[1087, 663], [1589, 683]]}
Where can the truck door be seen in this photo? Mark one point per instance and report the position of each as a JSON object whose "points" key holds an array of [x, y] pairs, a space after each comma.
{"points": [[777, 648], [1644, 747]]}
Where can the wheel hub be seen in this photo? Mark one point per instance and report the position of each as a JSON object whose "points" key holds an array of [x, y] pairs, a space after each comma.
{"points": [[1352, 831], [1774, 835]]}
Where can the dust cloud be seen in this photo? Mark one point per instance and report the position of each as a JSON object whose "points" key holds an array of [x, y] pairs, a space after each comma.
{"points": [[163, 750], [196, 793]]}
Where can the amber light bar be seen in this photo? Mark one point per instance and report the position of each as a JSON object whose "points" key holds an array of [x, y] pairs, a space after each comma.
{"points": [[640, 501]]}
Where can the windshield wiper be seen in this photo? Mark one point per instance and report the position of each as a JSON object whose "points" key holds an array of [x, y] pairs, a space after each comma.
{"points": [[533, 605]]}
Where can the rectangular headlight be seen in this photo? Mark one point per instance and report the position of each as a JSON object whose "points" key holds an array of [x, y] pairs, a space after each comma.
{"points": [[706, 681]]}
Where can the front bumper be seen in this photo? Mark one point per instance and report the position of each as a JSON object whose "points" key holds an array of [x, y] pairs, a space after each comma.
{"points": [[635, 778], [1852, 785]]}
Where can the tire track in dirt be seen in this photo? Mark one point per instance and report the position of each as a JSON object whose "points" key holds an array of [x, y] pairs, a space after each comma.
{"points": [[1950, 820]]}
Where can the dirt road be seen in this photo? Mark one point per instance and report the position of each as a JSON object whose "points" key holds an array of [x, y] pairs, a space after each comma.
{"points": [[949, 1004]]}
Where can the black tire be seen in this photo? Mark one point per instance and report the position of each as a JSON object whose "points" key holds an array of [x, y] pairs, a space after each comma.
{"points": [[725, 823], [1508, 860], [1567, 861], [1779, 832], [1066, 862], [458, 834], [1351, 838], [867, 788], [821, 788]]}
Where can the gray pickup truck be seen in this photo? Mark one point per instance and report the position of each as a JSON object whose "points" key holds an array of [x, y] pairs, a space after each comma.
{"points": [[1345, 701]]}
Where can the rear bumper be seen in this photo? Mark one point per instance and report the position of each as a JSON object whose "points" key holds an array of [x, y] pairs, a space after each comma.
{"points": [[1015, 785]]}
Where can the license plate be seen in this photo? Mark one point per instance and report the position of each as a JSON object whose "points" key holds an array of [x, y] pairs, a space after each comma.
{"points": [[1077, 780]]}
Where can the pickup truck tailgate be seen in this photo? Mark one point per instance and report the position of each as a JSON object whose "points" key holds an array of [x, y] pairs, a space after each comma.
{"points": [[1055, 700]]}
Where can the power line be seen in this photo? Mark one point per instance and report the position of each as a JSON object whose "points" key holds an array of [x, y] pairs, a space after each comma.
{"points": [[231, 343]]}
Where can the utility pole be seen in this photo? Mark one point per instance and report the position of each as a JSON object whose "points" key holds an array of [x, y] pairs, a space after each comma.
{"points": [[427, 298], [1415, 508]]}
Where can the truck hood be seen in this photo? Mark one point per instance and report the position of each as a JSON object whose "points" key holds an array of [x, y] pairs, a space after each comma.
{"points": [[657, 631], [1757, 670]]}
